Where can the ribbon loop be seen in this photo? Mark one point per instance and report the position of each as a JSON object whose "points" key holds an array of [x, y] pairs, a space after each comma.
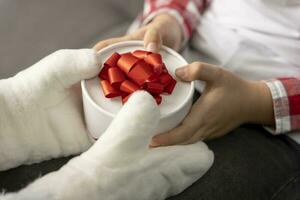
{"points": [[126, 62], [140, 73], [170, 87], [115, 76], [112, 60], [165, 78], [129, 87], [154, 88], [124, 74], [108, 89]]}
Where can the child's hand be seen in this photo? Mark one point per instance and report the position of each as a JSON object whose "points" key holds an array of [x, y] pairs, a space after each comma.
{"points": [[227, 102], [163, 29]]}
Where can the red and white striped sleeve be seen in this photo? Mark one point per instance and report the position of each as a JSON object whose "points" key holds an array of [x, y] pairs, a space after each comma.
{"points": [[286, 103], [187, 13]]}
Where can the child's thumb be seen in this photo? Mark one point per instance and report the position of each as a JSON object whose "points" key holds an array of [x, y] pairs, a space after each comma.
{"points": [[198, 71], [152, 40]]}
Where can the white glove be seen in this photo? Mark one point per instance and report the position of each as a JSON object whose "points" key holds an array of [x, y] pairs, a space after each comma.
{"points": [[120, 166], [41, 110]]}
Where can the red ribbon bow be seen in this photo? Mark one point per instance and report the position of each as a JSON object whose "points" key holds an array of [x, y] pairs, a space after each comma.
{"points": [[124, 74]]}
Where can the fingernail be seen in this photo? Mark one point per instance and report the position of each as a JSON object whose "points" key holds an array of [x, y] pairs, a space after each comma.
{"points": [[181, 72], [154, 143], [152, 47]]}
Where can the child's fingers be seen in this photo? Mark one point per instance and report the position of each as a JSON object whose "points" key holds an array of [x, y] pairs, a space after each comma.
{"points": [[198, 71], [178, 135], [152, 40], [105, 43], [199, 135], [193, 123]]}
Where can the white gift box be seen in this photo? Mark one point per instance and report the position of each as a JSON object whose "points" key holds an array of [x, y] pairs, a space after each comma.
{"points": [[99, 111]]}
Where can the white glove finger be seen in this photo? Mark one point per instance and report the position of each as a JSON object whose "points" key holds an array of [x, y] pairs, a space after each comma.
{"points": [[64, 68], [181, 165], [133, 127]]}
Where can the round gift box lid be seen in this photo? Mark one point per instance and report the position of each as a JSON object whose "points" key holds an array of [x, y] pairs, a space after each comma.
{"points": [[180, 96]]}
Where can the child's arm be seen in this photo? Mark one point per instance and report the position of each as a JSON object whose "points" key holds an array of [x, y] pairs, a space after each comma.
{"points": [[187, 13], [227, 102], [168, 22]]}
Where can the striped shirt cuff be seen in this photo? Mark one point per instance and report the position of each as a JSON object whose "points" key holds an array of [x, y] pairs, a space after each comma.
{"points": [[281, 107]]}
